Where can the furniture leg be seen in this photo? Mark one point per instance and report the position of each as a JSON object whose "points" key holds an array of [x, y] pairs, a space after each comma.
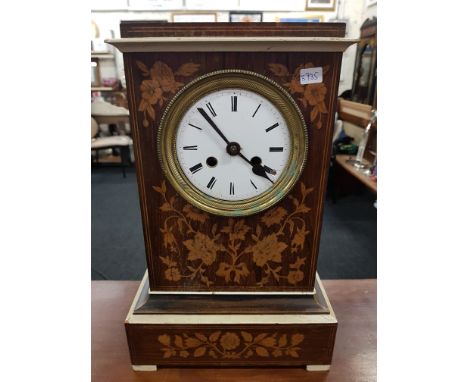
{"points": [[123, 159]]}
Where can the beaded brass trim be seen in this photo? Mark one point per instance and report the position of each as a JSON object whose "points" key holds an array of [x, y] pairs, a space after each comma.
{"points": [[224, 79]]}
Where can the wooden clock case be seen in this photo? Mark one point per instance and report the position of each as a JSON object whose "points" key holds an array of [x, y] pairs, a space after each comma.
{"points": [[222, 290]]}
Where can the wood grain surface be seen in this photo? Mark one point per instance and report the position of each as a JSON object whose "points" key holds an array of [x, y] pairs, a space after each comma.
{"points": [[229, 304], [186, 249], [143, 28], [366, 180], [354, 358], [314, 303]]}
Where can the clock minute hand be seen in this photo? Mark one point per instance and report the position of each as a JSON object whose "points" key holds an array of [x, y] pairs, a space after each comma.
{"points": [[212, 124], [256, 169]]}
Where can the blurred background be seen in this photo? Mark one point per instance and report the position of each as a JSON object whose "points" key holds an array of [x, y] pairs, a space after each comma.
{"points": [[348, 243]]}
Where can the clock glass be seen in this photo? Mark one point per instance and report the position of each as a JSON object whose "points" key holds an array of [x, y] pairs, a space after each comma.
{"points": [[226, 135], [232, 142]]}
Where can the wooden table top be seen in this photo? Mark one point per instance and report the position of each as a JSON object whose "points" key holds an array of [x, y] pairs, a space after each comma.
{"points": [[354, 358], [341, 160]]}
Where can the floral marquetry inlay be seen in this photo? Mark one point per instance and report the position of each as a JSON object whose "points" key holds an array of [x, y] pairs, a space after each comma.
{"points": [[231, 345], [312, 96], [160, 85], [235, 251]]}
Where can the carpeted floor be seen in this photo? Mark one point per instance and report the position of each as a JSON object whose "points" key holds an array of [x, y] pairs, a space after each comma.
{"points": [[348, 247]]}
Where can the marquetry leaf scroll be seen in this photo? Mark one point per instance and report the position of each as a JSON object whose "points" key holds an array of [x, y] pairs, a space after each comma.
{"points": [[160, 85], [312, 96], [230, 345], [201, 253]]}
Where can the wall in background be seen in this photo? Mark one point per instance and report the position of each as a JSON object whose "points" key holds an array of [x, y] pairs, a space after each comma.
{"points": [[108, 13]]}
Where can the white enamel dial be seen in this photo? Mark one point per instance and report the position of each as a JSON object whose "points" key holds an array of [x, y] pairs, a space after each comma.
{"points": [[246, 118]]}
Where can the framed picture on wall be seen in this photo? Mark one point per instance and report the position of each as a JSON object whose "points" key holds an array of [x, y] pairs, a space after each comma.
{"points": [[156, 4], [320, 5], [211, 5], [245, 17], [184, 17], [309, 19]]}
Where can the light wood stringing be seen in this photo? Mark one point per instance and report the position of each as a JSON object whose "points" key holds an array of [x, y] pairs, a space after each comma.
{"points": [[188, 319]]}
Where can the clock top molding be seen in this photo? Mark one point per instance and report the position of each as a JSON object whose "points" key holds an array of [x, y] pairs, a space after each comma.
{"points": [[190, 249], [232, 44]]}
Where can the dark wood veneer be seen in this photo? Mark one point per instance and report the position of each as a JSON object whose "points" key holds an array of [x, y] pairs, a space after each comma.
{"points": [[315, 349], [231, 304], [144, 28], [149, 173]]}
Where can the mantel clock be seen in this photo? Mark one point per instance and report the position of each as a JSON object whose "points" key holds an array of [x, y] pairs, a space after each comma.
{"points": [[232, 127]]}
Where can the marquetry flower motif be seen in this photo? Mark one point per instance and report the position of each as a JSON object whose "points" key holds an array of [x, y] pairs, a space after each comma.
{"points": [[232, 271], [202, 247], [315, 94], [229, 341], [297, 243], [267, 249], [151, 92], [194, 213], [230, 345], [236, 229], [160, 86], [295, 274], [169, 239], [198, 252], [311, 96], [274, 216], [164, 74], [172, 274]]}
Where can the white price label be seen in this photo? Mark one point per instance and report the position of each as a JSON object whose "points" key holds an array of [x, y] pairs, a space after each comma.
{"points": [[311, 76]]}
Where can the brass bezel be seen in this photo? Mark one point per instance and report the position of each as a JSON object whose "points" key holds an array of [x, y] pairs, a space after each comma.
{"points": [[195, 90]]}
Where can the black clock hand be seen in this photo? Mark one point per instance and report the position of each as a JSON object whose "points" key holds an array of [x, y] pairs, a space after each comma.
{"points": [[257, 169], [213, 125], [260, 171], [269, 170]]}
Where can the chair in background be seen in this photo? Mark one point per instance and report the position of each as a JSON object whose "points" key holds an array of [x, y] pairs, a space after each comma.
{"points": [[116, 117], [121, 143]]}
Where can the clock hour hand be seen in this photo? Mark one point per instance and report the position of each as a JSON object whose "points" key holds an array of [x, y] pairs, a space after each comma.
{"points": [[257, 168], [269, 170], [260, 171], [212, 124], [233, 148]]}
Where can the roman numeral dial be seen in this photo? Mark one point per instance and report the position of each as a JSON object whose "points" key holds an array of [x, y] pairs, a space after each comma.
{"points": [[275, 125], [233, 103], [276, 149], [209, 106], [228, 116], [196, 168], [211, 183]]}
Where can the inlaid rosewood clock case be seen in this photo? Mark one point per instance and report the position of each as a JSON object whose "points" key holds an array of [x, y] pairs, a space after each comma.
{"points": [[188, 249], [240, 289]]}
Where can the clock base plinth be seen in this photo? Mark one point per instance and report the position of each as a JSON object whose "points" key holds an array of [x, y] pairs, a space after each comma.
{"points": [[169, 338]]}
